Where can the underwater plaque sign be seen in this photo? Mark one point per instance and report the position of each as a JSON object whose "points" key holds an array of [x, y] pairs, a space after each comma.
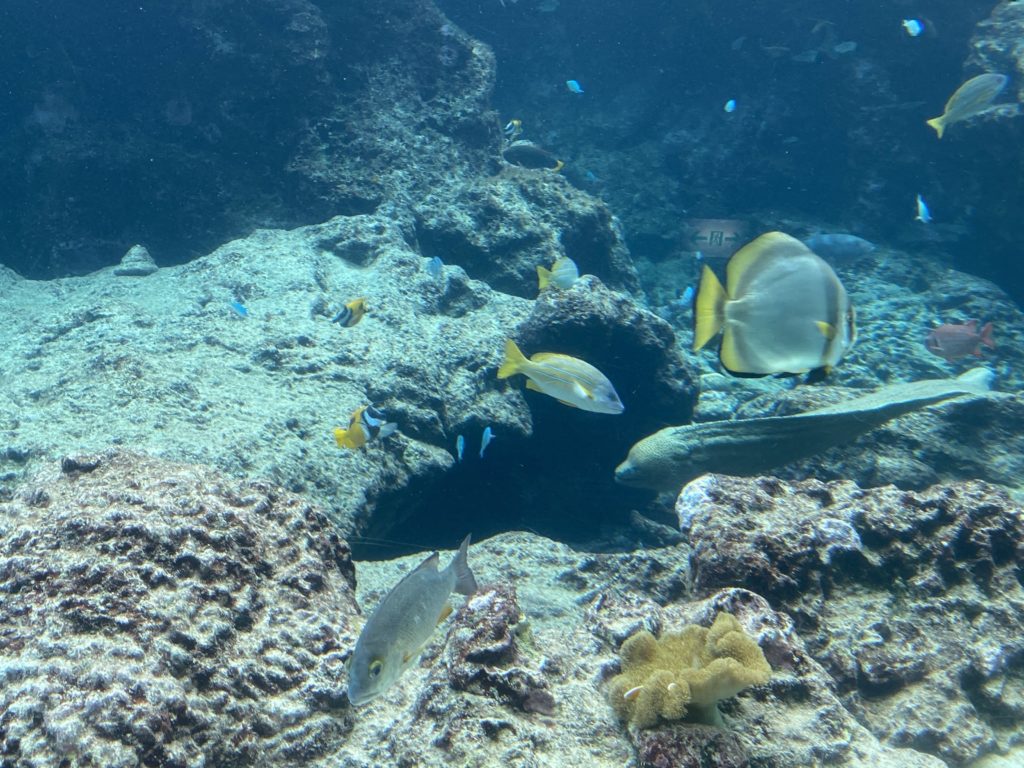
{"points": [[715, 238]]}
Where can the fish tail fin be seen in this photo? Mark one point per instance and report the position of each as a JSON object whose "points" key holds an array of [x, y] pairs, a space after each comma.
{"points": [[938, 124], [559, 165], [986, 336], [709, 313], [465, 581], [543, 277], [514, 360]]}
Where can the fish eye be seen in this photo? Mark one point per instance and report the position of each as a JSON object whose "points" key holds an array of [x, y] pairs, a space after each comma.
{"points": [[375, 667]]}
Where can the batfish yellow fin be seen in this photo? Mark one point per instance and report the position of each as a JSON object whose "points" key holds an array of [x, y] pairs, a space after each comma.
{"points": [[709, 313], [559, 165], [543, 277], [514, 360], [939, 124], [445, 613], [827, 329], [729, 355]]}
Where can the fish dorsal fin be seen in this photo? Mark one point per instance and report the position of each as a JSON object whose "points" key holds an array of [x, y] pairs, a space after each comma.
{"points": [[972, 324], [540, 357], [445, 613], [826, 329], [429, 564], [768, 245]]}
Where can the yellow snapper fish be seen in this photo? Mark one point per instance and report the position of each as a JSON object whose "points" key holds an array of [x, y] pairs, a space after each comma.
{"points": [[400, 627], [351, 313], [783, 310], [968, 100], [567, 379], [366, 423], [563, 274]]}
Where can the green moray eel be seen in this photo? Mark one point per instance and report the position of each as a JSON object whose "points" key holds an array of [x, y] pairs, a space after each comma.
{"points": [[672, 457]]}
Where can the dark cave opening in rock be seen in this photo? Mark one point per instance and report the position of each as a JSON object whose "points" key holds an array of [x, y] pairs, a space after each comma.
{"points": [[543, 483]]}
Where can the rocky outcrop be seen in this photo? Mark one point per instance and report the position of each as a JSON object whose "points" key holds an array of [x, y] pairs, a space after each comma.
{"points": [[163, 614], [911, 601], [160, 614], [233, 361]]}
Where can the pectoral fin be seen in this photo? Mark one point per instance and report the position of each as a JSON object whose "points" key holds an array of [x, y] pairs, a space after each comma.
{"points": [[445, 613], [826, 329]]}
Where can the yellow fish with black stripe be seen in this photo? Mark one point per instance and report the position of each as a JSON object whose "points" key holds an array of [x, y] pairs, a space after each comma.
{"points": [[782, 310], [569, 380], [365, 424], [351, 313]]}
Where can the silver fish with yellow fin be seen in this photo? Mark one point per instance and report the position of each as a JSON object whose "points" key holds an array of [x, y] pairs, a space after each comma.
{"points": [[569, 380], [563, 274], [783, 310], [968, 100], [402, 624]]}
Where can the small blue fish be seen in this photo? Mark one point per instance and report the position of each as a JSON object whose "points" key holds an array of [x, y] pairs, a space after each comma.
{"points": [[592, 177], [913, 27], [687, 296], [730, 105], [923, 214], [485, 440], [460, 447], [574, 86], [434, 267], [239, 308]]}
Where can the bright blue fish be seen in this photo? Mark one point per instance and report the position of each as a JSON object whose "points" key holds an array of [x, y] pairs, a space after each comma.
{"points": [[460, 447], [687, 296], [434, 267], [913, 27], [574, 86], [730, 105], [923, 214], [485, 440], [239, 308]]}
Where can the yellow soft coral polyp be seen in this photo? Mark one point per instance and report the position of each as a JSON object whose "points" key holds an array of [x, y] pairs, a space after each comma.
{"points": [[684, 674]]}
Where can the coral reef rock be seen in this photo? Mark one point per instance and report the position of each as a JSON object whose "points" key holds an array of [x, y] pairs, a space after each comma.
{"points": [[160, 614], [912, 601]]}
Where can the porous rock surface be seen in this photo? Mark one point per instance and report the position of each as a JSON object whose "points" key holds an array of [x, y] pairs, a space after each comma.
{"points": [[159, 614], [911, 601], [162, 614], [232, 360]]}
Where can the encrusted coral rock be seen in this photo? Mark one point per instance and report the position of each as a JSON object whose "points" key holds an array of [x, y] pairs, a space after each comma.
{"points": [[160, 614], [913, 601], [685, 673], [136, 263]]}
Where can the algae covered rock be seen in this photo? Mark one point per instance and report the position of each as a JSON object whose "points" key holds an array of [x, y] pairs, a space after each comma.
{"points": [[685, 673], [162, 614]]}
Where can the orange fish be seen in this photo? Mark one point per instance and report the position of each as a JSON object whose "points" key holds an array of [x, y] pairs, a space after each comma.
{"points": [[952, 342]]}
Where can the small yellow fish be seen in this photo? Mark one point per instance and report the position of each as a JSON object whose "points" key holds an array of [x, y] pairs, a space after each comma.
{"points": [[351, 313], [365, 424], [569, 380], [972, 97], [563, 274]]}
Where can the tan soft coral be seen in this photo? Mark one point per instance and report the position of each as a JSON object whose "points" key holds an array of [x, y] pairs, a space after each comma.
{"points": [[685, 673]]}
